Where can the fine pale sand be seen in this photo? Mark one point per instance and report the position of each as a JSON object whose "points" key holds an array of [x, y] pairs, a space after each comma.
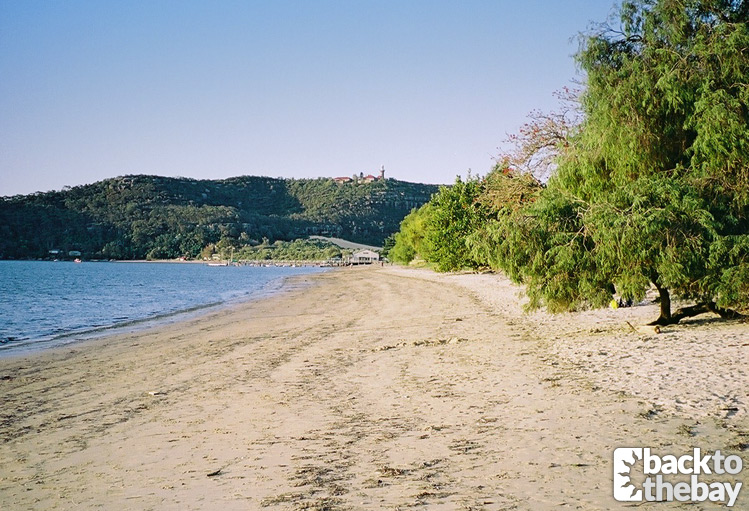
{"points": [[373, 388]]}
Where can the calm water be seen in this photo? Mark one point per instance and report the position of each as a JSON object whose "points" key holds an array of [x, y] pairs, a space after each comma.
{"points": [[50, 303]]}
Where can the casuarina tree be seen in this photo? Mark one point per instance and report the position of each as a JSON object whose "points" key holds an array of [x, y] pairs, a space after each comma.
{"points": [[653, 187]]}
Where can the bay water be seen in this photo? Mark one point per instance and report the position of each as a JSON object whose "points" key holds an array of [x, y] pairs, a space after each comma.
{"points": [[45, 303]]}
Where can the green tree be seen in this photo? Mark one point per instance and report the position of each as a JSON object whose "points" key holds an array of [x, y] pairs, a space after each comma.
{"points": [[438, 232], [654, 186], [455, 214], [409, 240], [500, 242], [387, 245]]}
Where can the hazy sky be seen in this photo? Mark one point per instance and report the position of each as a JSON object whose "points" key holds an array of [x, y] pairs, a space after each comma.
{"points": [[213, 89]]}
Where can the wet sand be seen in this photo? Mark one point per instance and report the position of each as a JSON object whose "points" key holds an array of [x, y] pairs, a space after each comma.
{"points": [[370, 388]]}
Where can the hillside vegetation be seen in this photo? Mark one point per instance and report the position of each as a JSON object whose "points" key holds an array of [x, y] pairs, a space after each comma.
{"points": [[136, 217]]}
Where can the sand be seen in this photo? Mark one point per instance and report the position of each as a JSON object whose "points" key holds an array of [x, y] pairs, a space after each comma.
{"points": [[369, 388]]}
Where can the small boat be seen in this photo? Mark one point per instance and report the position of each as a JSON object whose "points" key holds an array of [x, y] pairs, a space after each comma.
{"points": [[77, 260]]}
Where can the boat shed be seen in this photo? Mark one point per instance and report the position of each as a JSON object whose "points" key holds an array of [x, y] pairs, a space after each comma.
{"points": [[364, 257]]}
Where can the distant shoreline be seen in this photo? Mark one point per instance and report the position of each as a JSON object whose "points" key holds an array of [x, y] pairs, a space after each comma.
{"points": [[248, 262]]}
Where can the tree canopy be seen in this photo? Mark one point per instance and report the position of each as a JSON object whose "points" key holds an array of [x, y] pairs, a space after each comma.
{"points": [[656, 182], [651, 186], [437, 232]]}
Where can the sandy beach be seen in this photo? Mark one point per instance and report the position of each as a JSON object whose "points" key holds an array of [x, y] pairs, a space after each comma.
{"points": [[370, 388]]}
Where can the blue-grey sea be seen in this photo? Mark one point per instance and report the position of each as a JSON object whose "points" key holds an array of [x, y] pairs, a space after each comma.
{"points": [[44, 304]]}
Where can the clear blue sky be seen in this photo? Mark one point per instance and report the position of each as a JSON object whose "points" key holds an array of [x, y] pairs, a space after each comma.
{"points": [[213, 89]]}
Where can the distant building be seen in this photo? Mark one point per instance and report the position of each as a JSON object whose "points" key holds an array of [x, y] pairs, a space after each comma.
{"points": [[361, 178], [364, 257], [74, 253]]}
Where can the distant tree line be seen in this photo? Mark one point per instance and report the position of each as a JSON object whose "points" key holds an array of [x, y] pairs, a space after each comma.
{"points": [[138, 217], [648, 186], [296, 250]]}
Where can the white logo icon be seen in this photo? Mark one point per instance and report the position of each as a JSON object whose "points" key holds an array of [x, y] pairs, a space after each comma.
{"points": [[624, 459]]}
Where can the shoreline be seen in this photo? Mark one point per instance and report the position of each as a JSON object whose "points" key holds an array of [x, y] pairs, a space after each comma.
{"points": [[29, 345], [375, 388]]}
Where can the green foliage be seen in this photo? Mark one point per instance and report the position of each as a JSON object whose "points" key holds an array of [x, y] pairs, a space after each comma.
{"points": [[654, 188], [504, 190], [136, 217], [501, 241], [387, 245], [437, 232], [409, 241], [455, 214], [297, 250]]}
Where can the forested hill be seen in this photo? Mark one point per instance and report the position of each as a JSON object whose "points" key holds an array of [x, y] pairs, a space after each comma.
{"points": [[134, 217]]}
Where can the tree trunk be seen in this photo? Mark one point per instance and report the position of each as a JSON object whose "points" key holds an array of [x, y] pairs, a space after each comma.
{"points": [[666, 318], [695, 310], [665, 299], [724, 313]]}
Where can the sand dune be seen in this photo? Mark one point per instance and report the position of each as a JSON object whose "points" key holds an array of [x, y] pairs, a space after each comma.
{"points": [[368, 388]]}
